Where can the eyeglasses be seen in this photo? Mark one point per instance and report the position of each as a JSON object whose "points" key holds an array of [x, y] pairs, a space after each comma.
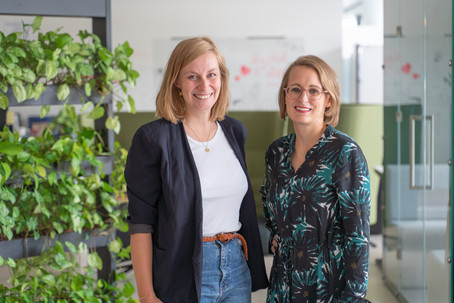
{"points": [[312, 93]]}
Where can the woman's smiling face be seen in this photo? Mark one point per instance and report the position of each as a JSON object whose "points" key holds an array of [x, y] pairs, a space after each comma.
{"points": [[302, 110], [200, 83]]}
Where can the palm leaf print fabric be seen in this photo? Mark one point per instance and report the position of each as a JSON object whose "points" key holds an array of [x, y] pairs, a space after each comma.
{"points": [[320, 214]]}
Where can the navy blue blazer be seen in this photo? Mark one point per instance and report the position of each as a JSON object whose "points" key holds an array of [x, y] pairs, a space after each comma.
{"points": [[164, 191]]}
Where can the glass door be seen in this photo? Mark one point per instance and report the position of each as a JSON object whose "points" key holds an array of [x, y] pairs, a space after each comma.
{"points": [[417, 257]]}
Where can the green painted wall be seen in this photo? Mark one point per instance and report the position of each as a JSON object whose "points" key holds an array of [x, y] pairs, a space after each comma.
{"points": [[364, 123]]}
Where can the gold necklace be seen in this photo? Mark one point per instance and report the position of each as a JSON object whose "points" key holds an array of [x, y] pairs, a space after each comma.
{"points": [[209, 134]]}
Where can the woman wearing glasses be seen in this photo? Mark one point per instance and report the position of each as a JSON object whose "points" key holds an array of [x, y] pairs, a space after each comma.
{"points": [[316, 195]]}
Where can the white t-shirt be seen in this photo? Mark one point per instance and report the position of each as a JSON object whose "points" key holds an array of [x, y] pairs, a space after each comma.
{"points": [[223, 183]]}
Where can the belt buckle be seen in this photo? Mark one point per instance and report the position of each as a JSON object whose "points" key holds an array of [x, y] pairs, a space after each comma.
{"points": [[223, 237]]}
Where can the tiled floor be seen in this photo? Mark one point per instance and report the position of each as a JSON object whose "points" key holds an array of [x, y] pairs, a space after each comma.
{"points": [[377, 291]]}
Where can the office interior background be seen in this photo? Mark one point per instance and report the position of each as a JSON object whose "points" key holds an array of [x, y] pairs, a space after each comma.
{"points": [[394, 63]]}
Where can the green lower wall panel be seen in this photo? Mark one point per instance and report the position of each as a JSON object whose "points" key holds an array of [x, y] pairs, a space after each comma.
{"points": [[364, 123]]}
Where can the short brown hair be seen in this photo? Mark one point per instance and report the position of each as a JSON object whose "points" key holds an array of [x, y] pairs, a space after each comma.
{"points": [[169, 104], [329, 82]]}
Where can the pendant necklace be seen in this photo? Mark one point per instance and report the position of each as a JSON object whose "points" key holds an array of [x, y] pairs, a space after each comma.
{"points": [[203, 143]]}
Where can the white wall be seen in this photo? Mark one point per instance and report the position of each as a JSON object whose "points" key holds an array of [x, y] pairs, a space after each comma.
{"points": [[313, 26]]}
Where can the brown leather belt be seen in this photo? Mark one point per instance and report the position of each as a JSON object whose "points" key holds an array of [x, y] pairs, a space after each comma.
{"points": [[226, 237]]}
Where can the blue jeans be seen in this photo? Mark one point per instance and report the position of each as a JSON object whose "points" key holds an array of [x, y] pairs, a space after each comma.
{"points": [[225, 273]]}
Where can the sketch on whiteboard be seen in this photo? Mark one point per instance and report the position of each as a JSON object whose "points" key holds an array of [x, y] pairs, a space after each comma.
{"points": [[408, 65]]}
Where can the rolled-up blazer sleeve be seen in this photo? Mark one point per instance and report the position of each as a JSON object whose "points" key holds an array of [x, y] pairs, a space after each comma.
{"points": [[142, 175]]}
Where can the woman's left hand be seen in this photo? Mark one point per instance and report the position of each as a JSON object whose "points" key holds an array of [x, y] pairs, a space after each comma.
{"points": [[274, 244]]}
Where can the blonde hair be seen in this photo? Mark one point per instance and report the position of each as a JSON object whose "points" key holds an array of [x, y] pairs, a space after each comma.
{"points": [[328, 80], [169, 104]]}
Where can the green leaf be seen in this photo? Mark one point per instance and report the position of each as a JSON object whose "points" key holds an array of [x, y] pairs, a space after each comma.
{"points": [[56, 55], [16, 51], [51, 70], [6, 172], [36, 25], [132, 104], [88, 89], [62, 262], [4, 102], [78, 222], [11, 263], [24, 156], [115, 74], [73, 48], [28, 169], [41, 171], [48, 279], [69, 63], [119, 106], [19, 91], [96, 113], [63, 91], [87, 105], [37, 52], [38, 90], [29, 91], [128, 289], [114, 124], [3, 85], [76, 283], [7, 194], [63, 40], [94, 260], [28, 75], [115, 246], [6, 60], [4, 211], [75, 164], [44, 111], [85, 69], [8, 232], [72, 248], [10, 148], [16, 72], [58, 227], [52, 178], [41, 67]]}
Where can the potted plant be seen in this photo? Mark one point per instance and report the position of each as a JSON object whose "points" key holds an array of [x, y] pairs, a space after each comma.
{"points": [[54, 61], [57, 276]]}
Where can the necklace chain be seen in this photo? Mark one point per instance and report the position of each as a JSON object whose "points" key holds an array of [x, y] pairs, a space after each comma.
{"points": [[208, 141]]}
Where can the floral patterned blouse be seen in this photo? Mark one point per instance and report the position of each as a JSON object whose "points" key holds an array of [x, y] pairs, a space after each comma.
{"points": [[320, 214]]}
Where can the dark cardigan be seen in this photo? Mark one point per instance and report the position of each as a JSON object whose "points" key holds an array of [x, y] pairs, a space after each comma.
{"points": [[164, 192]]}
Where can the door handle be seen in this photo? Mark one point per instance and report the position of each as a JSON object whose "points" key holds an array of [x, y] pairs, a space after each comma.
{"points": [[429, 158]]}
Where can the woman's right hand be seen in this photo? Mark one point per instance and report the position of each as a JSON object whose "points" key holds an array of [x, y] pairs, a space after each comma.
{"points": [[274, 244]]}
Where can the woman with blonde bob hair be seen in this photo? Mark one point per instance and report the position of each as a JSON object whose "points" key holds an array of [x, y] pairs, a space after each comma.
{"points": [[170, 104], [192, 215], [328, 80], [316, 195]]}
